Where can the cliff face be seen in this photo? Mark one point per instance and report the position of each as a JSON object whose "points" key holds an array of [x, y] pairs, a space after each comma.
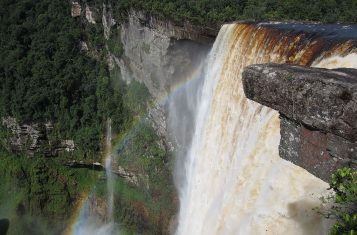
{"points": [[159, 53], [155, 52], [318, 110]]}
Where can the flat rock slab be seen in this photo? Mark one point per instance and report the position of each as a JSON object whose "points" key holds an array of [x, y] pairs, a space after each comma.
{"points": [[318, 98]]}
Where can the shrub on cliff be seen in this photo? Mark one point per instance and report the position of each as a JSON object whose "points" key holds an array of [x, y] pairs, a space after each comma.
{"points": [[344, 209]]}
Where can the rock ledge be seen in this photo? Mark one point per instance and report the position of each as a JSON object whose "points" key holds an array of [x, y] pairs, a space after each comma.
{"points": [[318, 110]]}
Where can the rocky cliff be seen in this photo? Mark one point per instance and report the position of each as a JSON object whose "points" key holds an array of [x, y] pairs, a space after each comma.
{"points": [[161, 55], [318, 110], [33, 138]]}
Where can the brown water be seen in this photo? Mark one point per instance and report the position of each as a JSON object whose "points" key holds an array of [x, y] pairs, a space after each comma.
{"points": [[236, 183]]}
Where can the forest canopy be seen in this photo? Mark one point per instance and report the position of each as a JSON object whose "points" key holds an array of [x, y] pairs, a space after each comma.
{"points": [[45, 75], [206, 12]]}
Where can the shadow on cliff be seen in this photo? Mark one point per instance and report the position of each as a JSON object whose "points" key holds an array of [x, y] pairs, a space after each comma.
{"points": [[305, 214], [4, 226]]}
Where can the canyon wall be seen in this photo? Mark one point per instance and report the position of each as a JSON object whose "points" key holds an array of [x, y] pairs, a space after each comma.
{"points": [[318, 113], [161, 55]]}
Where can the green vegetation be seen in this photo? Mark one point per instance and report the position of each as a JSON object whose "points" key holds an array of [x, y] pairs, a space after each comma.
{"points": [[140, 210], [114, 43], [344, 209], [208, 12], [342, 204], [45, 76], [146, 207], [38, 195]]}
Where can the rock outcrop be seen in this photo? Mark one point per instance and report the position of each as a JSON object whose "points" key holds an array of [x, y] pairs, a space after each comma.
{"points": [[90, 15], [33, 138], [76, 9], [318, 110]]}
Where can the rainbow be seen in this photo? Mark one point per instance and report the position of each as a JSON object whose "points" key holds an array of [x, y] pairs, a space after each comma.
{"points": [[76, 220], [294, 40]]}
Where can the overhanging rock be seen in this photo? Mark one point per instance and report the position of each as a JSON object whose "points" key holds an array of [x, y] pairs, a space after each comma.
{"points": [[318, 110]]}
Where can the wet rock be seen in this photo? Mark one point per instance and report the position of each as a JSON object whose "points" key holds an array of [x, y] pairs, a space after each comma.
{"points": [[127, 175], [159, 53]]}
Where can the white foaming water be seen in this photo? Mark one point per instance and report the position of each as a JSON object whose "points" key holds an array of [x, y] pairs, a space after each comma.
{"points": [[88, 224], [338, 61], [92, 229], [235, 182]]}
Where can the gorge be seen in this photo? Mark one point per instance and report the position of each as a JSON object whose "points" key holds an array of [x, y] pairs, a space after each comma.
{"points": [[179, 103]]}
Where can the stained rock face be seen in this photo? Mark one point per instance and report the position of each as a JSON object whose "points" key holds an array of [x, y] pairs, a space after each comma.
{"points": [[318, 152], [318, 113]]}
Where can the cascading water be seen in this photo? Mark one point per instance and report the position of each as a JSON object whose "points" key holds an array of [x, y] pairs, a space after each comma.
{"points": [[88, 223], [108, 171], [235, 182]]}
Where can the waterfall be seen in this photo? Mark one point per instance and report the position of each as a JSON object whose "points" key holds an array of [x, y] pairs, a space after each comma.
{"points": [[234, 180], [108, 171], [88, 222]]}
